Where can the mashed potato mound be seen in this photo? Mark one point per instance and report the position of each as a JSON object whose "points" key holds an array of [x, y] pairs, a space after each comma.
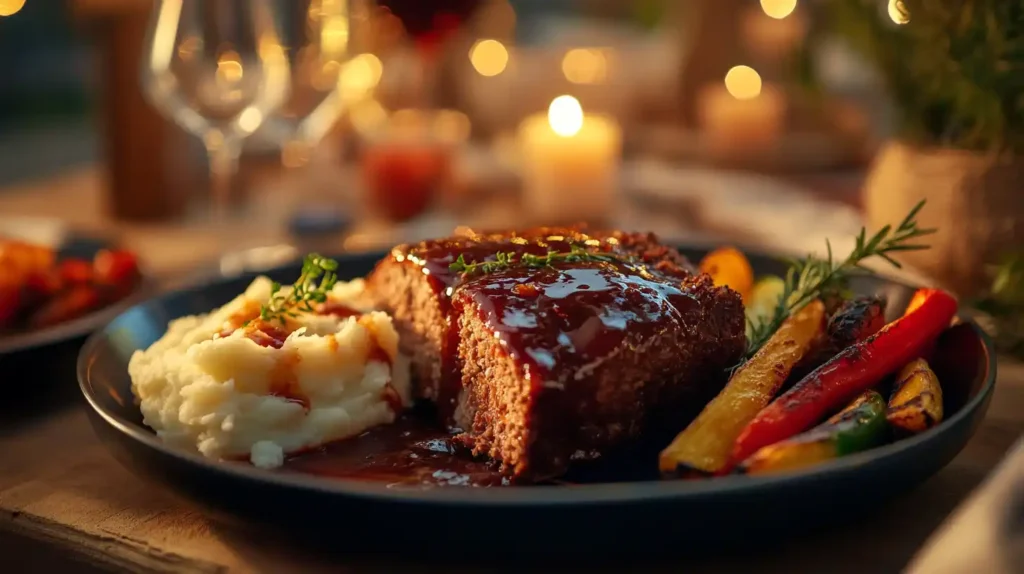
{"points": [[232, 386]]}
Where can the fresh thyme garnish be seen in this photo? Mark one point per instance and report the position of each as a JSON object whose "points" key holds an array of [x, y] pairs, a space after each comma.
{"points": [[304, 292], [505, 259], [812, 277]]}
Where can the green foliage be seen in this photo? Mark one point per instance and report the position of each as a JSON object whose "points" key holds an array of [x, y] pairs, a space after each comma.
{"points": [[955, 71], [1004, 304]]}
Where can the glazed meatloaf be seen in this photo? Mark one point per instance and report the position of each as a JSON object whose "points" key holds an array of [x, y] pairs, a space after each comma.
{"points": [[554, 344]]}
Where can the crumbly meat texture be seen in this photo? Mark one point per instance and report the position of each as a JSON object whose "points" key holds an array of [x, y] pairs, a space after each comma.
{"points": [[537, 426], [535, 414]]}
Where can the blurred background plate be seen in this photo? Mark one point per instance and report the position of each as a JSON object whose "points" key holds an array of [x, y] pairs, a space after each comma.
{"points": [[67, 242]]}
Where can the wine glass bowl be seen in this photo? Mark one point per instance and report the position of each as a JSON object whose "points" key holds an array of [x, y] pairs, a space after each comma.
{"points": [[320, 37], [218, 69]]}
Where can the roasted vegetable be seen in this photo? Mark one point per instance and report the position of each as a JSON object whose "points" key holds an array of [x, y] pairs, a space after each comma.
{"points": [[858, 427], [916, 401], [764, 297], [854, 321], [729, 267], [116, 267], [704, 446], [68, 305], [851, 372]]}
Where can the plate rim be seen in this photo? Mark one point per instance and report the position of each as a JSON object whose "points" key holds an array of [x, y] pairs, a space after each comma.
{"points": [[624, 493]]}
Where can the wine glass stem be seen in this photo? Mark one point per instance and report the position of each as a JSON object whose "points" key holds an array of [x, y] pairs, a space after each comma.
{"points": [[222, 154], [223, 159]]}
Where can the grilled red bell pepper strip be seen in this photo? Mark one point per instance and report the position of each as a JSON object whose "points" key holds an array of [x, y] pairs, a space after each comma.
{"points": [[851, 372]]}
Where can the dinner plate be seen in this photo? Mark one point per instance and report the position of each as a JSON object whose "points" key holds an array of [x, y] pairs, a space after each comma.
{"points": [[577, 520], [68, 242]]}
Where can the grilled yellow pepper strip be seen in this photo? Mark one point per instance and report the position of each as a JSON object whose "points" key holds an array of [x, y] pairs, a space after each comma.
{"points": [[916, 401], [704, 446]]}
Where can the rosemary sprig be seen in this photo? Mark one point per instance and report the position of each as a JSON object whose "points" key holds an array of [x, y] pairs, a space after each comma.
{"points": [[812, 277], [506, 259], [304, 292]]}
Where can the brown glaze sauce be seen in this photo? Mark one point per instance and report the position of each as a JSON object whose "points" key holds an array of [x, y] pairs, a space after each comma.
{"points": [[556, 321], [570, 319], [414, 452], [284, 382], [409, 453]]}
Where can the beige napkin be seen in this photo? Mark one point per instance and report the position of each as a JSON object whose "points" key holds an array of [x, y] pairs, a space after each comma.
{"points": [[986, 534]]}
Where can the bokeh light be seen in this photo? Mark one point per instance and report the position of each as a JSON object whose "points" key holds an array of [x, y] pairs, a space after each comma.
{"points": [[743, 83], [359, 76], [898, 12], [229, 67], [11, 7], [489, 57], [778, 9], [585, 66]]}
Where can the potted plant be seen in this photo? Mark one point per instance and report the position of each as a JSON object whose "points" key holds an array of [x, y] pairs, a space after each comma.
{"points": [[954, 70]]}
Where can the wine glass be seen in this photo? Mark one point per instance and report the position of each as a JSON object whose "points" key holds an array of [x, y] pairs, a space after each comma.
{"points": [[320, 36], [218, 69]]}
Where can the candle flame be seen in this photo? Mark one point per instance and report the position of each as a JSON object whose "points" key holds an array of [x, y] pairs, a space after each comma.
{"points": [[743, 83], [565, 116], [778, 9]]}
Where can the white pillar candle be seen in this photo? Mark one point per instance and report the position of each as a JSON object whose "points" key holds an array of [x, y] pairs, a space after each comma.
{"points": [[741, 115], [570, 162]]}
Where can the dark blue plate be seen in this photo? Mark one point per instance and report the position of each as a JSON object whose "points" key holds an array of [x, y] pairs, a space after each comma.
{"points": [[593, 519]]}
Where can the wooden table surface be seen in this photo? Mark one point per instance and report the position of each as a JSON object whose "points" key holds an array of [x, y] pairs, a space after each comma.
{"points": [[66, 504]]}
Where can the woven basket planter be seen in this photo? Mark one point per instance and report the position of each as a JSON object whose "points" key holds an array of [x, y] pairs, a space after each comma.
{"points": [[975, 201]]}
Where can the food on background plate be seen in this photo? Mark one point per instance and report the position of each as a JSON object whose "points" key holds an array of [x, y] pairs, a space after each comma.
{"points": [[533, 352], [276, 370], [916, 401], [704, 447], [553, 345], [858, 427], [38, 289]]}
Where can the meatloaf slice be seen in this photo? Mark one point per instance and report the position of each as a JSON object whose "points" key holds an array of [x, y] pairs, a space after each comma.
{"points": [[540, 365], [415, 283]]}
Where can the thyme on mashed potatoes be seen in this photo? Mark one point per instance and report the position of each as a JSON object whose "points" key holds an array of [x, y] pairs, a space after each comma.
{"points": [[304, 292]]}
